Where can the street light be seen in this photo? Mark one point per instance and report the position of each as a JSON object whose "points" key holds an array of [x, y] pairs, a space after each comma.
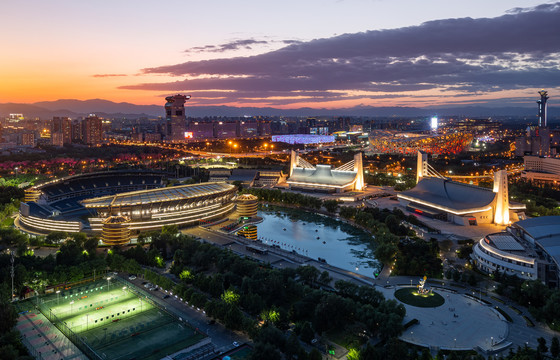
{"points": [[72, 307], [58, 297], [109, 278]]}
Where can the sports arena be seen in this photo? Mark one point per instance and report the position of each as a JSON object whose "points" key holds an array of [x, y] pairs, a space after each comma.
{"points": [[401, 143], [120, 204]]}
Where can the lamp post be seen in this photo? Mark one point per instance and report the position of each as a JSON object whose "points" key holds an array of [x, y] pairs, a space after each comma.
{"points": [[58, 297], [72, 307], [230, 143], [108, 284]]}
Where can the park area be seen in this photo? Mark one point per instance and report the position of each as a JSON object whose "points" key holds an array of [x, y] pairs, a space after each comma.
{"points": [[109, 319]]}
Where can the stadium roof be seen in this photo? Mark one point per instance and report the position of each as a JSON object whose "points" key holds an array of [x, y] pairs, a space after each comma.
{"points": [[546, 232], [158, 195], [322, 175], [453, 196]]}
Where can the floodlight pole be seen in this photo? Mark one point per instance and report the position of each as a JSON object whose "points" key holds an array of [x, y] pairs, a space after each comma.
{"points": [[13, 273]]}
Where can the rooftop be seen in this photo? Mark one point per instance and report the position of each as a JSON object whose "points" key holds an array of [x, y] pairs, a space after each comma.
{"points": [[322, 175], [546, 232], [158, 195], [449, 194]]}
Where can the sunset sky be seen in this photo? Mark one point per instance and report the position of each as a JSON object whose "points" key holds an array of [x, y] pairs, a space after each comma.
{"points": [[284, 54]]}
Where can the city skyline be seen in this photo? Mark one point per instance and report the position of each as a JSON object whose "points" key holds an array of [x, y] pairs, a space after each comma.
{"points": [[304, 55]]}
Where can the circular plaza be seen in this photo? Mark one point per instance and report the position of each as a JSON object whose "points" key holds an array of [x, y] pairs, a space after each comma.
{"points": [[460, 323]]}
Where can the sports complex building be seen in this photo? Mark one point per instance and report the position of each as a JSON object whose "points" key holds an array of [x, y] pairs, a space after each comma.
{"points": [[438, 197], [325, 178], [120, 204], [398, 142], [529, 249]]}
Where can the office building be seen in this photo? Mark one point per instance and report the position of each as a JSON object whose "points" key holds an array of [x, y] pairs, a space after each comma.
{"points": [[92, 133], [175, 117]]}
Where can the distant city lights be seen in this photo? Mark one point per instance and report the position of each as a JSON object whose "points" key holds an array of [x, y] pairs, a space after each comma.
{"points": [[434, 123]]}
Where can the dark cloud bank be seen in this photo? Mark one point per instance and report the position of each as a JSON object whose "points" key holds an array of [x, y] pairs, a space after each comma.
{"points": [[515, 51]]}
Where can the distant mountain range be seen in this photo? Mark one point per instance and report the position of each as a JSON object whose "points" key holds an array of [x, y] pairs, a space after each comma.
{"points": [[75, 108]]}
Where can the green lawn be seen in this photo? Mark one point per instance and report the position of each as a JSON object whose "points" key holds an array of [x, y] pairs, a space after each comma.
{"points": [[411, 297]]}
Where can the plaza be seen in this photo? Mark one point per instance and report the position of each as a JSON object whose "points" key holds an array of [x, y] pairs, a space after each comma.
{"points": [[461, 323]]}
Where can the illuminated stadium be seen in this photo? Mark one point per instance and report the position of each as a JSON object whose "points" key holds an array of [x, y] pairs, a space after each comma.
{"points": [[120, 204], [324, 178], [397, 142], [303, 139]]}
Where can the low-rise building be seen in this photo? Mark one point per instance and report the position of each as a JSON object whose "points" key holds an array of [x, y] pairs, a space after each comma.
{"points": [[529, 249]]}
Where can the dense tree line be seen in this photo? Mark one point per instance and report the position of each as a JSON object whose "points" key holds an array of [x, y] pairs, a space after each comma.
{"points": [[243, 293], [395, 241], [541, 301]]}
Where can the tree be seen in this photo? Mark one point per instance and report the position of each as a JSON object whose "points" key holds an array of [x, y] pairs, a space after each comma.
{"points": [[542, 348], [385, 252], [331, 205], [8, 316], [315, 355], [555, 347], [265, 351], [293, 347], [309, 274], [307, 333], [325, 278]]}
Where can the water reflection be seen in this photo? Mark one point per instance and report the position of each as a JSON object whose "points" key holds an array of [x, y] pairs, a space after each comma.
{"points": [[318, 236]]}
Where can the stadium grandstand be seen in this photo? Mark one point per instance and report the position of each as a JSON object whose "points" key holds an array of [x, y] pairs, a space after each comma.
{"points": [[83, 203]]}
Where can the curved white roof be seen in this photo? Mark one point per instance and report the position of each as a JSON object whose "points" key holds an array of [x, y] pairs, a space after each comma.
{"points": [[449, 194], [172, 193], [322, 175]]}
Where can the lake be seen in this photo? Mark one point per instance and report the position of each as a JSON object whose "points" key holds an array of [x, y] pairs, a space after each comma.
{"points": [[318, 236]]}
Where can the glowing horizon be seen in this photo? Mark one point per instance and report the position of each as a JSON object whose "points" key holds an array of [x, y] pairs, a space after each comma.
{"points": [[139, 52]]}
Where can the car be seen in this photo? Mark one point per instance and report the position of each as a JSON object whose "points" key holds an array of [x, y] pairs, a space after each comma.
{"points": [[115, 273], [144, 282], [235, 343], [166, 296], [132, 277], [314, 341]]}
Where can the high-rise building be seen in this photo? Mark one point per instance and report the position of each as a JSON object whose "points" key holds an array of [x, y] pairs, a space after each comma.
{"points": [[92, 133], [175, 117], [543, 107], [28, 138], [62, 125], [76, 131], [537, 140]]}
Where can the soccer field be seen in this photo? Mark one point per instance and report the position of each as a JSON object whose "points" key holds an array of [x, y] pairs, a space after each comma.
{"points": [[118, 323], [96, 306]]}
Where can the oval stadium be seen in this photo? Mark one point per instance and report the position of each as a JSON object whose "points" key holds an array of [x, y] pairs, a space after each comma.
{"points": [[120, 202]]}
